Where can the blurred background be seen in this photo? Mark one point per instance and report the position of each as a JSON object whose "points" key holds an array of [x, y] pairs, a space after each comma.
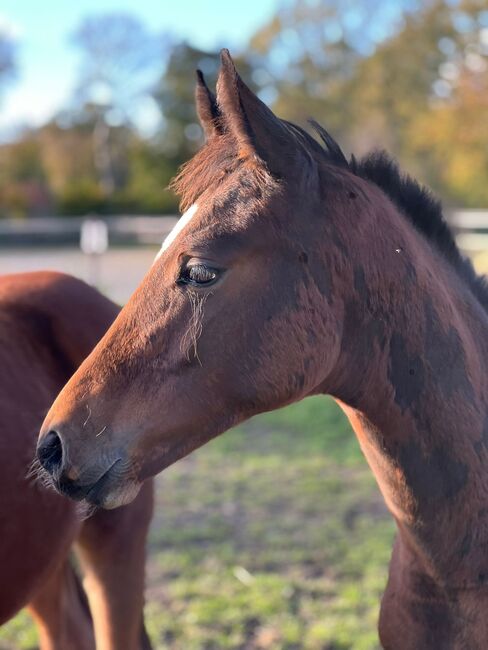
{"points": [[273, 536]]}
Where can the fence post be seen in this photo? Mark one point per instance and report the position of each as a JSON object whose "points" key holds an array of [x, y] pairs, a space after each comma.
{"points": [[93, 243]]}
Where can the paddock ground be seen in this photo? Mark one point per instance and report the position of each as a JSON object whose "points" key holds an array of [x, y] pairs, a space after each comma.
{"points": [[272, 537], [117, 273]]}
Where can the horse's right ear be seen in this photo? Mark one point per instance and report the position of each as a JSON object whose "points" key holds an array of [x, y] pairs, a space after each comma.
{"points": [[207, 110], [261, 137]]}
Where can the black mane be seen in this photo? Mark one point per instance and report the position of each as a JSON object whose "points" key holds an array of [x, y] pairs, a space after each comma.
{"points": [[416, 203]]}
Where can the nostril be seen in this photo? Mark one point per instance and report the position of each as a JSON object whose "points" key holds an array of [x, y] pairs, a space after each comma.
{"points": [[50, 452]]}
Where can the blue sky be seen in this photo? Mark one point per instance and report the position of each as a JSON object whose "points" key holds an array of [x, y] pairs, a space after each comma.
{"points": [[48, 62]]}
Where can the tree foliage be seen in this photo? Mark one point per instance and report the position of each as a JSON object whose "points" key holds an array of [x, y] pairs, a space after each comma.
{"points": [[406, 82], [7, 60], [409, 76], [118, 56], [175, 91]]}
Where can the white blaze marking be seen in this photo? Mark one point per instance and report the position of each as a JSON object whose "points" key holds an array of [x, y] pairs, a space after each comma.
{"points": [[181, 223]]}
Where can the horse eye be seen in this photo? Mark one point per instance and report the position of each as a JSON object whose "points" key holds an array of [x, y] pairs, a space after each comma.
{"points": [[198, 275]]}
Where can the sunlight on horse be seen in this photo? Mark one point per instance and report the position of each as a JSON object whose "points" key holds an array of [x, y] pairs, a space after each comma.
{"points": [[321, 275]]}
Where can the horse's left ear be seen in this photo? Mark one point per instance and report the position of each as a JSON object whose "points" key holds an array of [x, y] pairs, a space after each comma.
{"points": [[207, 110], [259, 134]]}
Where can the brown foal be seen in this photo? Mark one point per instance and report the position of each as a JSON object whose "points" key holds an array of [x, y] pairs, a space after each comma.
{"points": [[48, 324], [296, 272]]}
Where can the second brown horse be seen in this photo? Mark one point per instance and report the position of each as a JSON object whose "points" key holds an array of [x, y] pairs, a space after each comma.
{"points": [[48, 324]]}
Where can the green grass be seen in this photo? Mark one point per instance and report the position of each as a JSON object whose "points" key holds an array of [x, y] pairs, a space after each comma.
{"points": [[272, 537]]}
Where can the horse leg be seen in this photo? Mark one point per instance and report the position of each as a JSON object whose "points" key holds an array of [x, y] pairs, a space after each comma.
{"points": [[111, 548], [60, 610]]}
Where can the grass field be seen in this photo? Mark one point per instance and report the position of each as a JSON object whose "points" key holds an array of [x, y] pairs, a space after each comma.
{"points": [[272, 537]]}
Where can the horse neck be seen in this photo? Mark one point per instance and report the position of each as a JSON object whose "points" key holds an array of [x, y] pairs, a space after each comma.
{"points": [[412, 381]]}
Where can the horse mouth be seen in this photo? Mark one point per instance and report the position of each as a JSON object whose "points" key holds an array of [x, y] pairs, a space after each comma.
{"points": [[94, 493], [97, 494]]}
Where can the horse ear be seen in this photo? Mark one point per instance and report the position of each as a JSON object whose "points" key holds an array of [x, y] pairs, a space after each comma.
{"points": [[207, 110], [259, 134]]}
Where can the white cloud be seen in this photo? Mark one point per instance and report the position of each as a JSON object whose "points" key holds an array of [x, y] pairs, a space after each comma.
{"points": [[12, 30], [32, 104]]}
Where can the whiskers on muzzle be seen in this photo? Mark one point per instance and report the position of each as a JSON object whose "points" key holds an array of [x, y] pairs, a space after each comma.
{"points": [[37, 474], [84, 510], [109, 483]]}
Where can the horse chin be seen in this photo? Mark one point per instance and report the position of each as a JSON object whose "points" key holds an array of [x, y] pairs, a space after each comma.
{"points": [[119, 495]]}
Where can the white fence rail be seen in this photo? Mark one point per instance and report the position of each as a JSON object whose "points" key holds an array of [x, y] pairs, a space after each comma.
{"points": [[470, 226], [122, 229]]}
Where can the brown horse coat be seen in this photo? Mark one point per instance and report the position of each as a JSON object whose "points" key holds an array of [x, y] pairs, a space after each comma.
{"points": [[48, 324], [297, 272]]}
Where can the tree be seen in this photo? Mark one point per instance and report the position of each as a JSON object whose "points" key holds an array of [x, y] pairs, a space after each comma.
{"points": [[174, 93], [402, 82], [452, 137], [24, 189], [118, 59], [417, 97], [7, 59], [308, 53]]}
